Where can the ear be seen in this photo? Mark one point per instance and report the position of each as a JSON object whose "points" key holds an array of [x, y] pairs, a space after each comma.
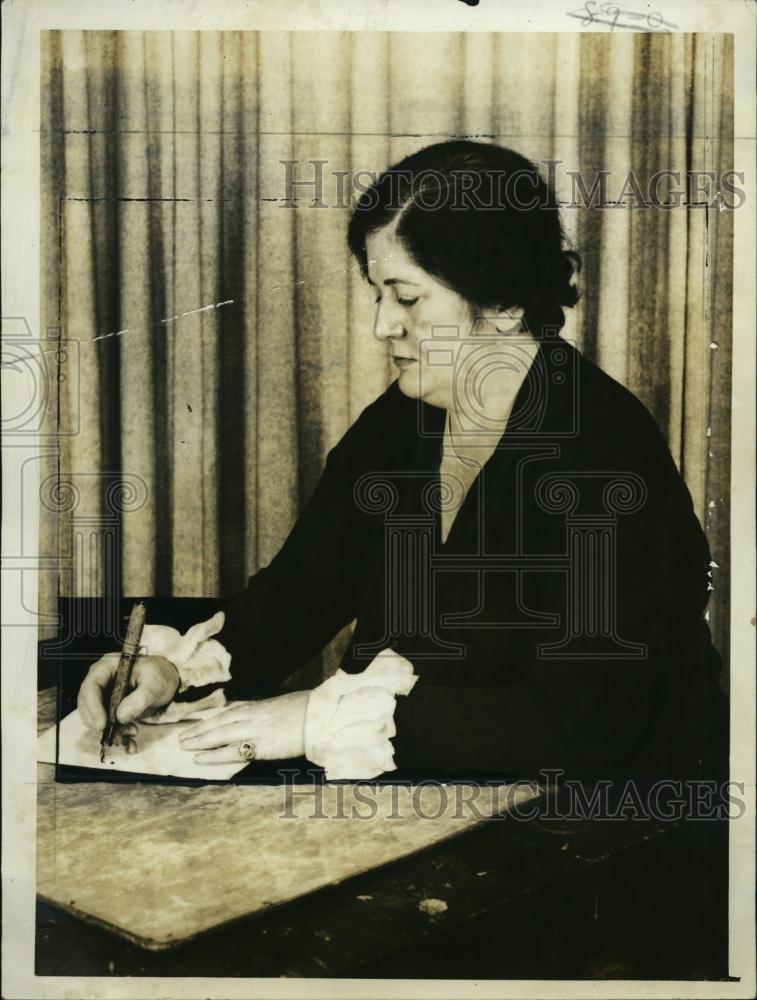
{"points": [[505, 321]]}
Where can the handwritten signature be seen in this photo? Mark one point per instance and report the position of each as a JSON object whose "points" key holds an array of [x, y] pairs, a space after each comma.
{"points": [[610, 13]]}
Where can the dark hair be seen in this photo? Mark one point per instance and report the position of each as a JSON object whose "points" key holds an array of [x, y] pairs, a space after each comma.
{"points": [[482, 221]]}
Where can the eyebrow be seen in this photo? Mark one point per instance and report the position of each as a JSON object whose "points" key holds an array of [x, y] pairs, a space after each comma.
{"points": [[394, 281]]}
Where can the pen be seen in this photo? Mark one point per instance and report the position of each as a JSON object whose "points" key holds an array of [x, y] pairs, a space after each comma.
{"points": [[128, 655]]}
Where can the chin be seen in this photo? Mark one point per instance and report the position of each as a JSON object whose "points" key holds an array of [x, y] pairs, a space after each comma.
{"points": [[410, 385], [411, 392]]}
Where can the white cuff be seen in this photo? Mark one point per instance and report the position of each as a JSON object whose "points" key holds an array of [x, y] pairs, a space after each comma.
{"points": [[198, 659], [350, 718]]}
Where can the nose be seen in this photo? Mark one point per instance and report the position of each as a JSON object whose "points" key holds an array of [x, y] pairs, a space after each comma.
{"points": [[388, 322]]}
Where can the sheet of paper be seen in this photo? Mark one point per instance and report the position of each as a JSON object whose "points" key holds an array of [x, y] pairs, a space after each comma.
{"points": [[159, 751]]}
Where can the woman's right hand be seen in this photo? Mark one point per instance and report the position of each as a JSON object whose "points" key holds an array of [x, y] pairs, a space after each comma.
{"points": [[154, 681]]}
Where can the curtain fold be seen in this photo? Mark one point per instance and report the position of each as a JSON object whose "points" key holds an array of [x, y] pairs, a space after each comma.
{"points": [[223, 335]]}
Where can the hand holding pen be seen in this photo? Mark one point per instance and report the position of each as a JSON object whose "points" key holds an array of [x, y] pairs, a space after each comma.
{"points": [[150, 684]]}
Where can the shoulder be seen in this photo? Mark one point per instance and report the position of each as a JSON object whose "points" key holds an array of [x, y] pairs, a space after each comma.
{"points": [[392, 405], [613, 418], [380, 430], [616, 432]]}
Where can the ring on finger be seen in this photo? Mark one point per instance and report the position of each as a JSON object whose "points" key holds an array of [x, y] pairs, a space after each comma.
{"points": [[247, 750]]}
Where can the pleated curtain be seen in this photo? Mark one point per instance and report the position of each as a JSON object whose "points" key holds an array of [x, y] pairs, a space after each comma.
{"points": [[223, 337]]}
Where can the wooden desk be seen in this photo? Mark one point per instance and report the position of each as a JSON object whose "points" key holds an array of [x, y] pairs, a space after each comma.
{"points": [[524, 899], [537, 899], [162, 863]]}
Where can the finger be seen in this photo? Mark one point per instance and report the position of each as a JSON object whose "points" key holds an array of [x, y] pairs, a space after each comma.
{"points": [[122, 733], [118, 739], [91, 698], [126, 737], [223, 755], [126, 734], [136, 704], [232, 732], [207, 725]]}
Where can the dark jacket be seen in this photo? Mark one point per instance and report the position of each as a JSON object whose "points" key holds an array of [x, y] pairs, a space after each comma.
{"points": [[560, 626]]}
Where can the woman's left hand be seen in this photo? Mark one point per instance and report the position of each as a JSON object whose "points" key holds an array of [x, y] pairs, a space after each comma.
{"points": [[275, 727]]}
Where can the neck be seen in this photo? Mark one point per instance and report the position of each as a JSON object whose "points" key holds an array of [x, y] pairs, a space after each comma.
{"points": [[477, 421]]}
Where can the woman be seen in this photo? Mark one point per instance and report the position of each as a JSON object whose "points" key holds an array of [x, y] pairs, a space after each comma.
{"points": [[505, 526]]}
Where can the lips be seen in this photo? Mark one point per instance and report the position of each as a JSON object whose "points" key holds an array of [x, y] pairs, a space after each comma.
{"points": [[399, 359]]}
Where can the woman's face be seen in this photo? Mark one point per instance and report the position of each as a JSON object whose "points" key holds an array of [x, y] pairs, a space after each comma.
{"points": [[423, 323]]}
